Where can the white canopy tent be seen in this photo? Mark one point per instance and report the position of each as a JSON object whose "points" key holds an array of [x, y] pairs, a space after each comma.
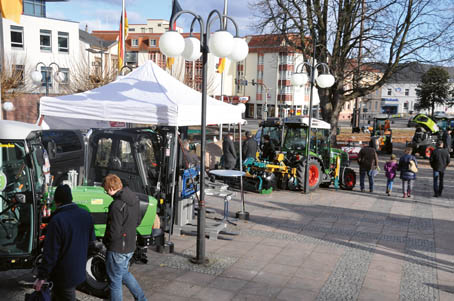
{"points": [[148, 95]]}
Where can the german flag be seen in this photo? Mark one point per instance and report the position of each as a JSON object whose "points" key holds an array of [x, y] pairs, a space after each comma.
{"points": [[121, 55], [221, 65]]}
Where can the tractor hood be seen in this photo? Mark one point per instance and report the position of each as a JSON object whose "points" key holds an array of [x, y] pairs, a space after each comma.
{"points": [[428, 124]]}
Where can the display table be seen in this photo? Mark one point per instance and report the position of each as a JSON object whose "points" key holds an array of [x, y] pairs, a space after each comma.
{"points": [[228, 173]]}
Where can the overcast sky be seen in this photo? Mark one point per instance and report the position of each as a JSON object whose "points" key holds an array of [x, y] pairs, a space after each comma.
{"points": [[105, 14]]}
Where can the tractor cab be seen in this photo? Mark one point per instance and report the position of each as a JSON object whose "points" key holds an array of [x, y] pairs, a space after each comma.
{"points": [[381, 133], [272, 127], [23, 183]]}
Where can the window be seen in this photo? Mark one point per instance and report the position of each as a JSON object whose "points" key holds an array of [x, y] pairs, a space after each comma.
{"points": [[45, 40], [152, 43], [143, 29], [35, 8], [17, 36], [131, 29], [135, 42], [63, 42], [103, 152], [131, 58], [407, 92], [159, 25], [65, 80], [18, 73], [150, 30], [46, 73], [390, 91]]}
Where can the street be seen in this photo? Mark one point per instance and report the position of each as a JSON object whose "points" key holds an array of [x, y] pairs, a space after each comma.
{"points": [[329, 245]]}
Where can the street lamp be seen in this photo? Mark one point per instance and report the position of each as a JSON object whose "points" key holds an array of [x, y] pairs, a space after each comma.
{"points": [[325, 80], [222, 44], [37, 76]]}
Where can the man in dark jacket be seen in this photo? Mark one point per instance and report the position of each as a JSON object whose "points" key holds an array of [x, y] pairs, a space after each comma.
{"points": [[65, 247], [268, 149], [120, 237], [368, 161], [439, 160], [228, 149], [249, 147]]}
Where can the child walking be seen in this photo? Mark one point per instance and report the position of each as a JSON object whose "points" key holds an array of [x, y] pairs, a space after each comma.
{"points": [[390, 172]]}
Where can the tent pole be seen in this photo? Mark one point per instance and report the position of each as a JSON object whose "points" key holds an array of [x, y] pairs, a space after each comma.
{"points": [[175, 174]]}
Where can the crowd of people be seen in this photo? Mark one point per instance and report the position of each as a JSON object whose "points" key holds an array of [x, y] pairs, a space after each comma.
{"points": [[407, 165]]}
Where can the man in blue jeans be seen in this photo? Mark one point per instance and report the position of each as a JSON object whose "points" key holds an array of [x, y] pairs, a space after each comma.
{"points": [[120, 238], [368, 163], [439, 160]]}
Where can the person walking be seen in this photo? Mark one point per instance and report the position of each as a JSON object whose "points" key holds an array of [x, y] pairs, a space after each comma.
{"points": [[368, 164], [447, 139], [439, 160], [268, 149], [229, 152], [123, 217], [69, 233], [249, 147], [406, 175], [390, 172]]}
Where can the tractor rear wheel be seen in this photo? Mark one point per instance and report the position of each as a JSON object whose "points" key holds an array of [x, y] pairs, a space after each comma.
{"points": [[96, 283], [315, 175], [348, 179]]}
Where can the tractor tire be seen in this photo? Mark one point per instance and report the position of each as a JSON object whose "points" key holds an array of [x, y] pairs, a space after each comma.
{"points": [[96, 283], [348, 179], [428, 151], [315, 175]]}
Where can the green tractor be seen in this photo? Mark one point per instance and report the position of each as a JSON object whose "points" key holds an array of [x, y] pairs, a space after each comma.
{"points": [[139, 156], [288, 170], [426, 135]]}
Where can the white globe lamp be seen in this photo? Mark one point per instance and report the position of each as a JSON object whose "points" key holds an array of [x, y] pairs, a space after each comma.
{"points": [[325, 80], [8, 106], [221, 43], [191, 49], [299, 79], [240, 50], [171, 44], [37, 76]]}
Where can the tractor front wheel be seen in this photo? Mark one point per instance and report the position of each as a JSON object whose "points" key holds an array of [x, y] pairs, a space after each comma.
{"points": [[315, 175], [96, 283], [348, 179]]}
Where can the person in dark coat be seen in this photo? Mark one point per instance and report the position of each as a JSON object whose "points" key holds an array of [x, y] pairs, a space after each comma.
{"points": [[368, 162], [406, 175], [268, 149], [439, 160], [68, 236], [229, 152], [447, 140], [249, 147], [120, 237]]}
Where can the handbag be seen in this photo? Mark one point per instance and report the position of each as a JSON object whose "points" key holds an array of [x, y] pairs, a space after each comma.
{"points": [[412, 166]]}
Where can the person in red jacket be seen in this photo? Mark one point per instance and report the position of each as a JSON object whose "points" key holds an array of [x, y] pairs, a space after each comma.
{"points": [[120, 238]]}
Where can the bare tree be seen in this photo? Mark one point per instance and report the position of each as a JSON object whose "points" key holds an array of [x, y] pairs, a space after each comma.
{"points": [[394, 33], [12, 77]]}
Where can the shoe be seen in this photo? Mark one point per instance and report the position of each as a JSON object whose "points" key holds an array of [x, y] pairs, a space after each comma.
{"points": [[388, 193], [408, 195], [404, 196]]}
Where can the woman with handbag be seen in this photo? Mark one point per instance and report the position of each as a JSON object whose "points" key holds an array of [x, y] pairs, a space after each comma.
{"points": [[408, 167]]}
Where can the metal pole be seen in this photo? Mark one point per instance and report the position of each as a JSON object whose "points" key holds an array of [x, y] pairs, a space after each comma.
{"points": [[123, 29], [308, 140], [102, 52], [47, 80], [200, 249], [174, 167], [265, 117], [1, 65]]}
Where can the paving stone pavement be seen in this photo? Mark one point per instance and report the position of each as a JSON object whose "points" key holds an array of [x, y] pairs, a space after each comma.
{"points": [[329, 245]]}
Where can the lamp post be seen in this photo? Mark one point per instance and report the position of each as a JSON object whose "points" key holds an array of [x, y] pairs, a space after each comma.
{"points": [[323, 81], [222, 44], [37, 75]]}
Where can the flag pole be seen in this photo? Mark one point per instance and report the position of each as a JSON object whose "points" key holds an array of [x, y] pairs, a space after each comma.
{"points": [[123, 23], [224, 25]]}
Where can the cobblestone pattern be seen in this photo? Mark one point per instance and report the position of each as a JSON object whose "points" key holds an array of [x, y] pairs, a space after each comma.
{"points": [[346, 280], [217, 263], [419, 276]]}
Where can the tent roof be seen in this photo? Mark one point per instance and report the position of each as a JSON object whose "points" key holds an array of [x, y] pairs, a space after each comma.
{"points": [[148, 95]]}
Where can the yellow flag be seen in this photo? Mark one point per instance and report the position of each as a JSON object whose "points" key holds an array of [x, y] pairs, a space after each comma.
{"points": [[11, 10], [170, 61], [221, 65]]}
